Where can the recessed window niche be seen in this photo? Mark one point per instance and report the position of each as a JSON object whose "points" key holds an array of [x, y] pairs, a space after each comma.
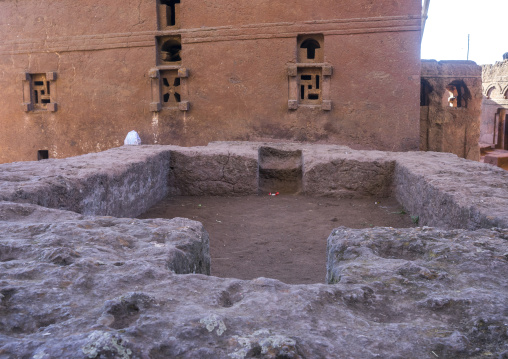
{"points": [[310, 76], [311, 48], [169, 50], [39, 91], [169, 88]]}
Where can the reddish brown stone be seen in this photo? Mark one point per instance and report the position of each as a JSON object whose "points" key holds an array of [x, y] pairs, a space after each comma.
{"points": [[231, 62], [450, 107]]}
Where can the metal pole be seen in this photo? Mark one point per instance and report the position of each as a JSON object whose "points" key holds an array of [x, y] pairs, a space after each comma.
{"points": [[468, 35]]}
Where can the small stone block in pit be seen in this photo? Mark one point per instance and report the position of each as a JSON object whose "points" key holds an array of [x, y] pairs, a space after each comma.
{"points": [[184, 106], [499, 160], [293, 104], [155, 107]]}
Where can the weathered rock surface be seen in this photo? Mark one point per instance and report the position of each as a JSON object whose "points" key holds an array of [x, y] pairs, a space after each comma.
{"points": [[213, 171], [123, 182], [73, 286], [448, 287], [103, 288], [30, 213], [441, 189], [53, 275], [450, 192]]}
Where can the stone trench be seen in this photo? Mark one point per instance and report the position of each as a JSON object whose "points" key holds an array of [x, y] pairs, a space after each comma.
{"points": [[81, 278]]}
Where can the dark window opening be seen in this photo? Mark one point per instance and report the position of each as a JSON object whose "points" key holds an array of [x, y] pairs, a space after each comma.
{"points": [[42, 155], [170, 51], [36, 97], [39, 83], [170, 88], [45, 100], [310, 92], [311, 45], [425, 90], [459, 94], [47, 86], [170, 11]]}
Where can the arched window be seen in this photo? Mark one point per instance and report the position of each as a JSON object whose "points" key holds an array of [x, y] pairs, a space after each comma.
{"points": [[310, 48], [170, 50], [459, 94], [491, 91], [311, 45]]}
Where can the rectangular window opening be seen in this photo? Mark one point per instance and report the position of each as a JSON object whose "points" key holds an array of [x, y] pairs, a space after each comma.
{"points": [[302, 92], [42, 155], [313, 96], [306, 77], [317, 82]]}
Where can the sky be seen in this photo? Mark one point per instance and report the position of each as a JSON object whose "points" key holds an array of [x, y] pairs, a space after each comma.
{"points": [[450, 22]]}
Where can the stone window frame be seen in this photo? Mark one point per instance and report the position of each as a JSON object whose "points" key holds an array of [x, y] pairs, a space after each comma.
{"points": [[156, 88], [294, 83], [503, 91], [28, 103]]}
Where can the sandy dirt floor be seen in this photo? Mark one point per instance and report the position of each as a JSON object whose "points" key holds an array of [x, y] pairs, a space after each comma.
{"points": [[281, 237]]}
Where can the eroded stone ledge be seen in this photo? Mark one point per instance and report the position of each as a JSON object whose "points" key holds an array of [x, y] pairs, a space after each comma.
{"points": [[77, 286], [441, 189]]}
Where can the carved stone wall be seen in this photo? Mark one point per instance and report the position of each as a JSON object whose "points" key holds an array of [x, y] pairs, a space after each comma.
{"points": [[189, 72], [494, 128], [450, 107]]}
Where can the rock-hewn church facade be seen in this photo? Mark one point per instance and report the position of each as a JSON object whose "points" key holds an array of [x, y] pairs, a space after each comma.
{"points": [[76, 77]]}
